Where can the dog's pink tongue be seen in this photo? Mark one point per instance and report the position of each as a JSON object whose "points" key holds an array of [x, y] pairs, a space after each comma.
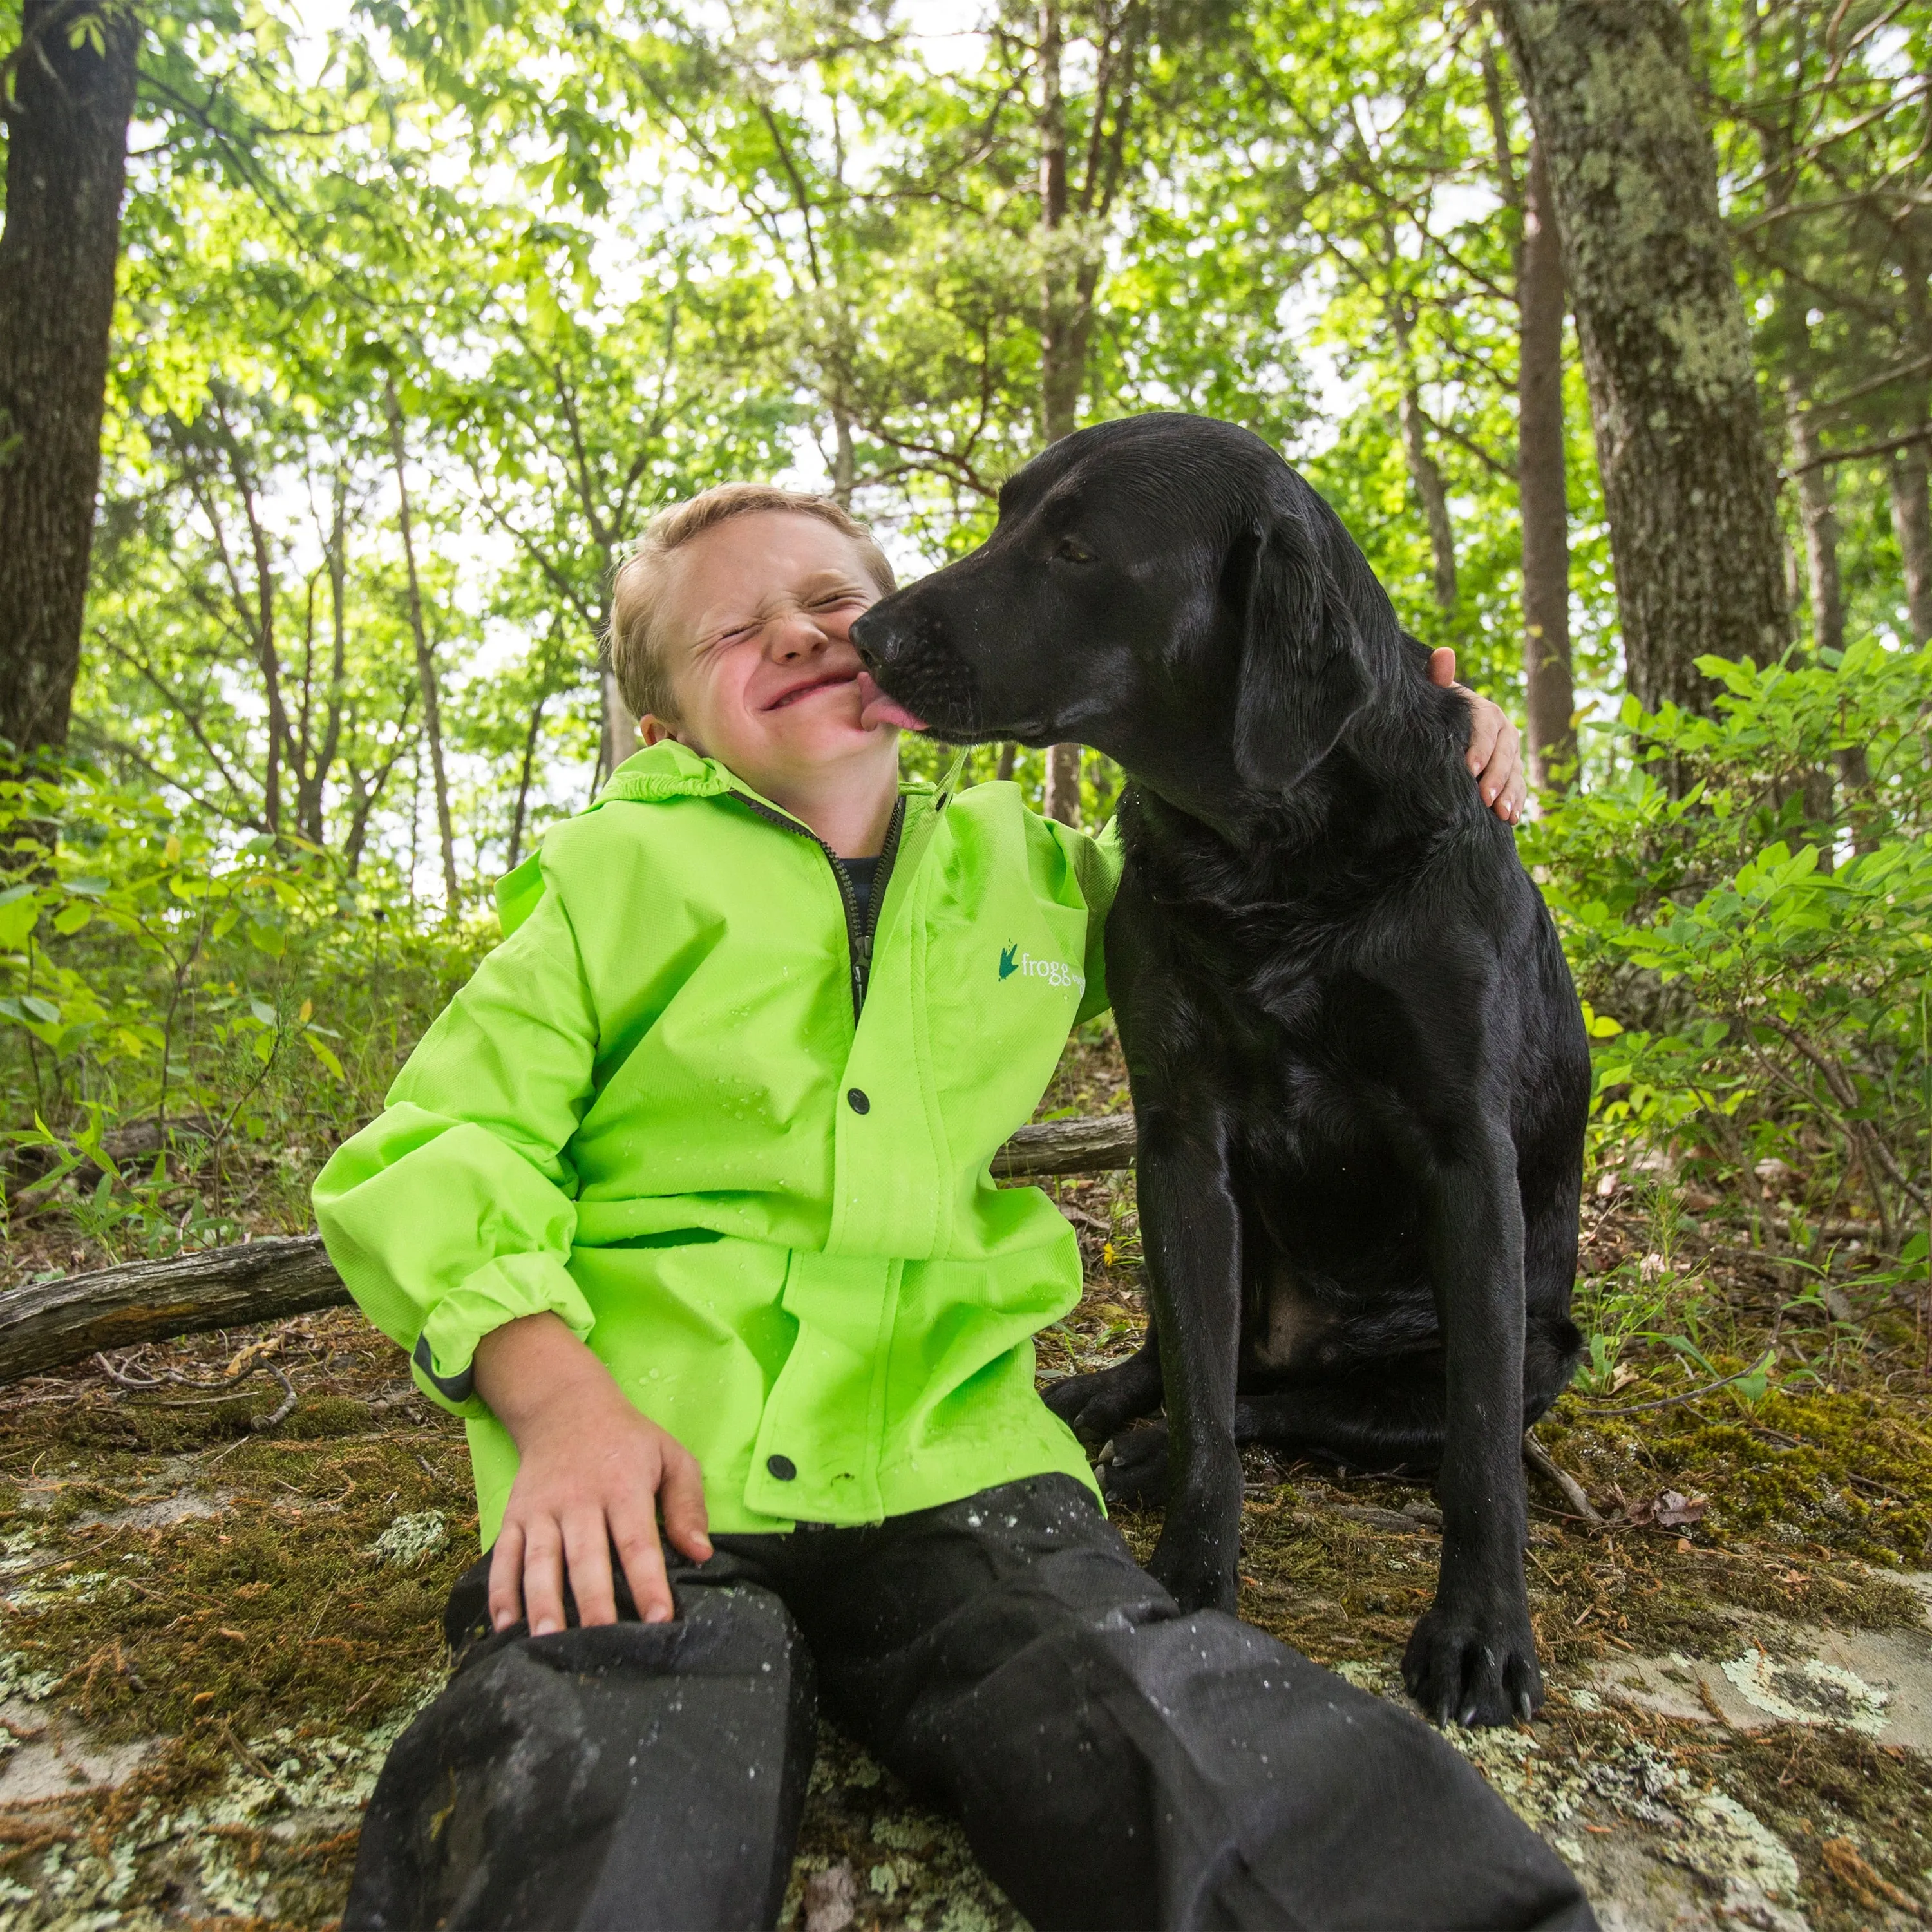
{"points": [[876, 708]]}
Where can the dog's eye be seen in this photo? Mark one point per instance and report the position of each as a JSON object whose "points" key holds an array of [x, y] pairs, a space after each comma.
{"points": [[1070, 552]]}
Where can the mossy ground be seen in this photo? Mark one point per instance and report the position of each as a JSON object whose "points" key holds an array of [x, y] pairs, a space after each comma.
{"points": [[173, 1574]]}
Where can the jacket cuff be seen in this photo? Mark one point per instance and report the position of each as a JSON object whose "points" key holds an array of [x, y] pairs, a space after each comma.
{"points": [[443, 1363]]}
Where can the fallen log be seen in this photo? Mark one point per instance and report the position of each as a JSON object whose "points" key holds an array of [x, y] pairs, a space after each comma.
{"points": [[1093, 1146], [50, 1324]]}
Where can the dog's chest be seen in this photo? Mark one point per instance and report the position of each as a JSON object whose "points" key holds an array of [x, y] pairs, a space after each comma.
{"points": [[1280, 994]]}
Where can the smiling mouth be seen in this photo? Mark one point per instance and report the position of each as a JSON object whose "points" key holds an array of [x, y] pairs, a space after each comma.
{"points": [[799, 691]]}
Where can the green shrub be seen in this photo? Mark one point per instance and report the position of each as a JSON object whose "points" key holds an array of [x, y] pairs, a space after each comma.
{"points": [[191, 1016], [1748, 907]]}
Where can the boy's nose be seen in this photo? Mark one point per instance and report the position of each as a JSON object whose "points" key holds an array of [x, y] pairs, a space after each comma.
{"points": [[796, 636]]}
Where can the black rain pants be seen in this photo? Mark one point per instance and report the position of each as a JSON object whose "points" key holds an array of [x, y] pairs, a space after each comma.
{"points": [[1116, 1763]]}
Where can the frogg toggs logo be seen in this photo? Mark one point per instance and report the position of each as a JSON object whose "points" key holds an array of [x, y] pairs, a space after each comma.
{"points": [[1054, 972]]}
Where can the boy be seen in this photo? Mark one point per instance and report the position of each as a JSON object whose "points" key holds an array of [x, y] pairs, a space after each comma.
{"points": [[683, 1204]]}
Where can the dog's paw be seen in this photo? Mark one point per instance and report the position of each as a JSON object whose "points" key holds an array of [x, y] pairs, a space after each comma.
{"points": [[1473, 1668], [1132, 1468], [1098, 1405]]}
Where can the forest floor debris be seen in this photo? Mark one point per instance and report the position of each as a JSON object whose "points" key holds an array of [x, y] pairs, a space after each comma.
{"points": [[212, 1632]]}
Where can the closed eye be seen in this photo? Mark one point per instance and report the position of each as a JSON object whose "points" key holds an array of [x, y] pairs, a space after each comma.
{"points": [[1070, 552]]}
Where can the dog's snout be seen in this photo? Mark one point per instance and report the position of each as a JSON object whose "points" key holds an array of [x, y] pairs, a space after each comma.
{"points": [[874, 640]]}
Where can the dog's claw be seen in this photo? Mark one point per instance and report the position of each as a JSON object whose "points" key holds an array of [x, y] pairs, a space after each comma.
{"points": [[1136, 1462], [1098, 1405], [1473, 1667]]}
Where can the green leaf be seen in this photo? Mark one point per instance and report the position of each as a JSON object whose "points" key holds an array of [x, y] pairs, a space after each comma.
{"points": [[326, 1054], [18, 918]]}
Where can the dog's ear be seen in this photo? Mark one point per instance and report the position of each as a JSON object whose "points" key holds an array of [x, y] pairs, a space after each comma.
{"points": [[1303, 669]]}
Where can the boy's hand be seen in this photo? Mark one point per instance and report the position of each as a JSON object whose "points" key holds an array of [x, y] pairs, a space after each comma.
{"points": [[1493, 744], [593, 1473]]}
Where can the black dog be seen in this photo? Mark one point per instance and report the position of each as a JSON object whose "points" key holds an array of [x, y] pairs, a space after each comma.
{"points": [[1357, 1058]]}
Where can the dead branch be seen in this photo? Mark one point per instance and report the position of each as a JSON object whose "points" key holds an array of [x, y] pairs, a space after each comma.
{"points": [[1546, 1465]]}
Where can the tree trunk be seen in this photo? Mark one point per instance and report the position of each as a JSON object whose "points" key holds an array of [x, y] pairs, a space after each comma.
{"points": [[1060, 356], [1003, 770], [1818, 519], [67, 161], [843, 464], [620, 728], [1911, 524], [523, 782], [1542, 486], [1060, 373], [364, 799], [1687, 482], [317, 777], [452, 884], [262, 617], [1062, 784], [1427, 477]]}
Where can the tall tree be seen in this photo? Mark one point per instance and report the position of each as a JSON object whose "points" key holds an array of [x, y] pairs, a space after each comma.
{"points": [[426, 676], [1543, 485], [1065, 310], [1911, 524], [69, 92], [1688, 481]]}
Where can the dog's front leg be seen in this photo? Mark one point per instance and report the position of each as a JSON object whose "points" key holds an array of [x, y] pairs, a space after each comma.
{"points": [[1472, 1657], [1191, 1234]]}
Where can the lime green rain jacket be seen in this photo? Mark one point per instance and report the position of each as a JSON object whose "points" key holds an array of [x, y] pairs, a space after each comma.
{"points": [[740, 1144]]}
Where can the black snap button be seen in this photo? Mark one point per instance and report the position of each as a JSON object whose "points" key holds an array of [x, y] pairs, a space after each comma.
{"points": [[782, 1467], [856, 1100]]}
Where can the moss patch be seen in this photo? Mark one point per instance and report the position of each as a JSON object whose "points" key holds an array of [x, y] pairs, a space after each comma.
{"points": [[1849, 1472]]}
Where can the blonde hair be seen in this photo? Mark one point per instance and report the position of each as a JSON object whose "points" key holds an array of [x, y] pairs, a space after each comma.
{"points": [[636, 639]]}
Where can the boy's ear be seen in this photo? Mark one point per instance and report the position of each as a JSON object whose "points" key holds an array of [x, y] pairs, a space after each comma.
{"points": [[653, 731], [1303, 675]]}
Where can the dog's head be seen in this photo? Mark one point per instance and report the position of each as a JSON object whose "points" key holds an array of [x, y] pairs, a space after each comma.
{"points": [[1164, 588]]}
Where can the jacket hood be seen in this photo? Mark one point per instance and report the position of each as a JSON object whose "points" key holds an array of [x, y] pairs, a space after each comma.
{"points": [[666, 770]]}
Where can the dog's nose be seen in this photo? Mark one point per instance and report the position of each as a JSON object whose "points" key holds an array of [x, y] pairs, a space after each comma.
{"points": [[872, 641]]}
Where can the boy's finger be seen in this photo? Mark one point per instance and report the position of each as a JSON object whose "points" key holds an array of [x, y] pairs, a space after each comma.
{"points": [[586, 1549], [1486, 726], [1516, 795], [506, 1577], [681, 1496], [634, 1530], [543, 1577], [1442, 665], [1501, 769]]}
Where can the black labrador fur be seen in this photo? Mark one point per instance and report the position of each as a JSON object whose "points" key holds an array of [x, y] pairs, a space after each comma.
{"points": [[1357, 1058]]}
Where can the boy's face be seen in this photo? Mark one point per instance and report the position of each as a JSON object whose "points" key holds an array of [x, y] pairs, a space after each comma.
{"points": [[757, 617]]}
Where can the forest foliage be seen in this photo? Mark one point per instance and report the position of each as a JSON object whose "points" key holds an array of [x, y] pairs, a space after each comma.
{"points": [[423, 310]]}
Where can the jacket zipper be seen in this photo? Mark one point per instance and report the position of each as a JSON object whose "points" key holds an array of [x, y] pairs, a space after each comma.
{"points": [[858, 937]]}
